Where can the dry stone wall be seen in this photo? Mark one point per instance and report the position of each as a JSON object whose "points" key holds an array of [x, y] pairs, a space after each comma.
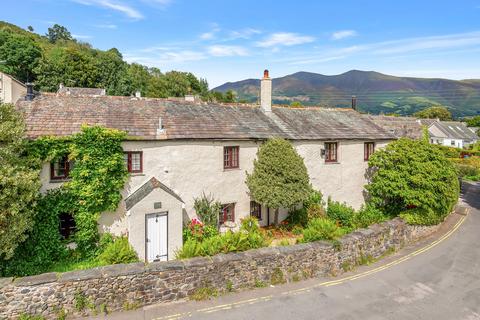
{"points": [[127, 286]]}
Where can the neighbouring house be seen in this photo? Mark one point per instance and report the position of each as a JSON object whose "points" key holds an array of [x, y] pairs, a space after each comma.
{"points": [[177, 150], [400, 127], [11, 89], [450, 133]]}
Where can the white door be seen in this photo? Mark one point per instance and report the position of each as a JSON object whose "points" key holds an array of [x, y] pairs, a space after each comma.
{"points": [[156, 237]]}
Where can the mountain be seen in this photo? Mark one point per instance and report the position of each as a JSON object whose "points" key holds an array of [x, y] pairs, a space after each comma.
{"points": [[375, 92]]}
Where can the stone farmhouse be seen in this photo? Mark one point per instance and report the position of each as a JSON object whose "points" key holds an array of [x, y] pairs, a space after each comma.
{"points": [[177, 150], [450, 133]]}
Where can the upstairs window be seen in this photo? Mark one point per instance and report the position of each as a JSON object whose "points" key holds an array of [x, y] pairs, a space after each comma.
{"points": [[60, 168], [230, 157], [256, 210], [331, 152], [369, 149], [133, 161], [227, 213]]}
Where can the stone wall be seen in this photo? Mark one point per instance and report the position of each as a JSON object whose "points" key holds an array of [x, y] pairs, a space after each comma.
{"points": [[120, 287]]}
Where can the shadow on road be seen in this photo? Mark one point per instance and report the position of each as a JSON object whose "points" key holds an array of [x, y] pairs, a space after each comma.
{"points": [[471, 194]]}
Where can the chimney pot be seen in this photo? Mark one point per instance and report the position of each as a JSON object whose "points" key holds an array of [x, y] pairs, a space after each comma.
{"points": [[265, 74], [30, 94], [354, 102]]}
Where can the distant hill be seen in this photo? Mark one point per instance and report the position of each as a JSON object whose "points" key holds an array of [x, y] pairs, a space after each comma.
{"points": [[376, 92]]}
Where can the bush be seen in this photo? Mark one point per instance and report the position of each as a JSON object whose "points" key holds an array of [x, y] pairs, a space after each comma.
{"points": [[249, 237], [118, 251], [465, 170], [420, 216], [449, 152], [367, 216], [410, 174], [340, 213], [321, 229], [298, 217], [207, 209]]}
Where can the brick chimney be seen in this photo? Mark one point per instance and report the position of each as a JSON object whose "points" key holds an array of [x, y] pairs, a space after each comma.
{"points": [[266, 92]]}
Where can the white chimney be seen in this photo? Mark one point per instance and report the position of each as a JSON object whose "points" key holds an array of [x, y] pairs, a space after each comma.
{"points": [[266, 92]]}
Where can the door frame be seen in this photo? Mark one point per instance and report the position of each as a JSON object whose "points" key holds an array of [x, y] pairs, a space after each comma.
{"points": [[160, 214]]}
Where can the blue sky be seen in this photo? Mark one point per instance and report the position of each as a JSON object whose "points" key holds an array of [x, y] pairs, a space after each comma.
{"points": [[231, 40]]}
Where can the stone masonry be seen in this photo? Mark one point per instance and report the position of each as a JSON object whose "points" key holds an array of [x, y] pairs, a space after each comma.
{"points": [[126, 286]]}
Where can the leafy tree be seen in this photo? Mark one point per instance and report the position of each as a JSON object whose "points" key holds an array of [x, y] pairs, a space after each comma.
{"points": [[279, 178], [30, 28], [437, 112], [19, 183], [139, 77], [230, 96], [58, 32], [296, 104], [473, 121], [20, 54], [68, 65], [412, 178]]}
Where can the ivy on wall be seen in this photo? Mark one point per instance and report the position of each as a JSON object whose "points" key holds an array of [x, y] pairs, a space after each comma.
{"points": [[96, 180]]}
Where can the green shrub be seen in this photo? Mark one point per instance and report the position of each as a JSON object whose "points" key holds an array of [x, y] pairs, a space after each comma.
{"points": [[420, 216], [191, 248], [44, 245], [321, 229], [297, 217], [297, 230], [448, 152], [250, 224], [207, 209], [465, 170], [340, 213], [315, 210], [119, 251], [411, 174], [367, 216]]}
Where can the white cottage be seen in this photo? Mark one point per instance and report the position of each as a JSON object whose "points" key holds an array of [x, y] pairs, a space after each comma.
{"points": [[450, 133], [178, 150]]}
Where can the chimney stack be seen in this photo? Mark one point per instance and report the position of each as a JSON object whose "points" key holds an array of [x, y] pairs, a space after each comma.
{"points": [[138, 94], [30, 94], [354, 102], [266, 92]]}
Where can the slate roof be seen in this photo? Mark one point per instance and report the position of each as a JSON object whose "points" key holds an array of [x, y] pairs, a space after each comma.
{"points": [[407, 127], [453, 129], [160, 119], [77, 91]]}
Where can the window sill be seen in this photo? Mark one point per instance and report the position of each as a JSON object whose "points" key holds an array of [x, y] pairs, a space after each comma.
{"points": [[231, 169], [59, 180], [332, 162], [138, 174]]}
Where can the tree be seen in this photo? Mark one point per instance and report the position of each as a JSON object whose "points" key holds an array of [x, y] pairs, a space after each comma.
{"points": [[473, 121], [296, 104], [19, 183], [437, 112], [30, 28], [412, 178], [20, 55], [279, 178], [58, 32]]}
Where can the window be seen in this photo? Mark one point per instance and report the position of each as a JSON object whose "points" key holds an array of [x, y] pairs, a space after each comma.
{"points": [[227, 213], [60, 169], [369, 149], [67, 225], [452, 143], [256, 210], [133, 161], [330, 152], [230, 157]]}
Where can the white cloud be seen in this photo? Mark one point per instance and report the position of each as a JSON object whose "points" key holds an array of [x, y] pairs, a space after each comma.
{"points": [[113, 5], [207, 35], [426, 43], [227, 51], [284, 39], [165, 57], [81, 37], [246, 33], [342, 34], [106, 26]]}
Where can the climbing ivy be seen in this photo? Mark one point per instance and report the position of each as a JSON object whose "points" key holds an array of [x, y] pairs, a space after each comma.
{"points": [[96, 180]]}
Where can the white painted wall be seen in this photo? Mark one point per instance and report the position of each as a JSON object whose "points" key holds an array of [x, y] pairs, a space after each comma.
{"points": [[10, 89], [192, 167]]}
